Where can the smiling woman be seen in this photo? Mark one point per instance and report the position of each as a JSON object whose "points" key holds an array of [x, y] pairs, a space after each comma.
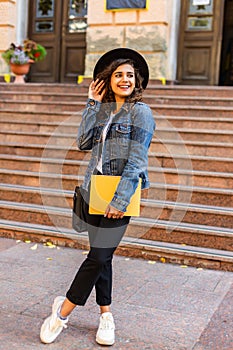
{"points": [[118, 128]]}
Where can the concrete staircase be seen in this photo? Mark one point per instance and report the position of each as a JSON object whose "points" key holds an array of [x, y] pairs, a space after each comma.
{"points": [[188, 215]]}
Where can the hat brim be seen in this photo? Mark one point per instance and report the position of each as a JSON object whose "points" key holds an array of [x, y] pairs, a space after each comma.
{"points": [[110, 56]]}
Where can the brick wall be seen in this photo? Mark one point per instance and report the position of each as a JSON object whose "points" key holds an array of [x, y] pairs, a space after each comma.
{"points": [[144, 30]]}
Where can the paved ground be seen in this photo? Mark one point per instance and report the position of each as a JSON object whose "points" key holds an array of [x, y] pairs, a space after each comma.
{"points": [[156, 306]]}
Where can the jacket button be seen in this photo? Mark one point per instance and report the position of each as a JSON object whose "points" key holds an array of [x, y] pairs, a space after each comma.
{"points": [[92, 102]]}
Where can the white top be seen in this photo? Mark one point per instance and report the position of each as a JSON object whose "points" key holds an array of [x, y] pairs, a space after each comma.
{"points": [[104, 134]]}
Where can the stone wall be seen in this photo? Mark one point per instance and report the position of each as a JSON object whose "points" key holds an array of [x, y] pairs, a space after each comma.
{"points": [[146, 31], [8, 22]]}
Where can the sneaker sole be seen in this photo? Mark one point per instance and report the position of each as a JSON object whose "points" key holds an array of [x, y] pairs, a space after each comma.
{"points": [[103, 342]]}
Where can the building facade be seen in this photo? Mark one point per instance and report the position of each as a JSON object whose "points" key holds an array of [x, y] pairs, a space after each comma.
{"points": [[183, 41]]}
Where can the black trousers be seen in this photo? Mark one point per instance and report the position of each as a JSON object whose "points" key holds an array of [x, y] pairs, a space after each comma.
{"points": [[96, 271]]}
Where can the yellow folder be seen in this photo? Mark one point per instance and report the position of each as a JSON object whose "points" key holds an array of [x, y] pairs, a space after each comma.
{"points": [[102, 191]]}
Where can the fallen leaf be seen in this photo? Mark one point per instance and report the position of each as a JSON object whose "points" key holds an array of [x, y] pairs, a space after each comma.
{"points": [[163, 260], [49, 259], [27, 241], [183, 266], [34, 247], [85, 253], [18, 241], [50, 245], [126, 259], [151, 262], [199, 268]]}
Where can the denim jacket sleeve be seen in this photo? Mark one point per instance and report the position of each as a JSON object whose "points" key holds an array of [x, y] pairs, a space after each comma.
{"points": [[86, 128], [137, 163]]}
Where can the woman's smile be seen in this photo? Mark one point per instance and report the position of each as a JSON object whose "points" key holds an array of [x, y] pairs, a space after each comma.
{"points": [[123, 82]]}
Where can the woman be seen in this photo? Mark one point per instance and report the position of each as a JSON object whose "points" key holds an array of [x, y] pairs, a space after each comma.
{"points": [[118, 128]]}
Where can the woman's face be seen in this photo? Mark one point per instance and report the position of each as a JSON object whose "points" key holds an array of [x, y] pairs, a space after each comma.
{"points": [[123, 82]]}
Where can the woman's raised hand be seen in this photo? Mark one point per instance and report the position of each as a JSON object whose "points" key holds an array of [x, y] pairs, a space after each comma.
{"points": [[96, 90]]}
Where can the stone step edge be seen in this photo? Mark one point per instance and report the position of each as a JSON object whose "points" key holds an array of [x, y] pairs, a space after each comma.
{"points": [[84, 94], [157, 131], [48, 232], [150, 153], [189, 172], [152, 84], [79, 177], [185, 188], [79, 113], [145, 202], [171, 142], [152, 105], [49, 112], [146, 222], [53, 160], [151, 203]]}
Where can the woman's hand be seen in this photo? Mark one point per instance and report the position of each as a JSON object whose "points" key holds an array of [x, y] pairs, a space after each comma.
{"points": [[113, 213], [96, 90]]}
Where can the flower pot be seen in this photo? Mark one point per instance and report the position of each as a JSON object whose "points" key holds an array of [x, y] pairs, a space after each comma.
{"points": [[20, 70]]}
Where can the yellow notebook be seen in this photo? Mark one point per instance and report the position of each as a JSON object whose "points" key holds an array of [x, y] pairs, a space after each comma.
{"points": [[102, 191]]}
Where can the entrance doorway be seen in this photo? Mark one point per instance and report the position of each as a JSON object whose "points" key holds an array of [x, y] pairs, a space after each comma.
{"points": [[60, 26], [200, 42], [226, 68]]}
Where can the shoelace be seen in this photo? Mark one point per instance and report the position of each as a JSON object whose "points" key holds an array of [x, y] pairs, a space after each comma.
{"points": [[106, 323], [57, 323]]}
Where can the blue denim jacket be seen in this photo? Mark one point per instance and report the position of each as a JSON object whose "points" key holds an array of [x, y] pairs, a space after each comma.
{"points": [[125, 150]]}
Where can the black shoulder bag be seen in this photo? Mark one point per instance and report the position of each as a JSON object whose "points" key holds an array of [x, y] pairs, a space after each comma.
{"points": [[78, 217]]}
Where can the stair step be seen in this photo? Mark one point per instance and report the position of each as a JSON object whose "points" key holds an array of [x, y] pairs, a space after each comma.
{"points": [[49, 180], [37, 126], [192, 90], [181, 233], [33, 106], [141, 248], [188, 100], [174, 193], [38, 96], [150, 208], [40, 116], [202, 163], [193, 122], [152, 88], [194, 134], [54, 168], [165, 109], [199, 162], [161, 98], [49, 88], [164, 137], [147, 228], [187, 212], [193, 147], [55, 118], [183, 110]]}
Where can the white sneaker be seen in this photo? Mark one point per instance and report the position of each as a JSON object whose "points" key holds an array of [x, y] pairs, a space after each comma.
{"points": [[53, 325], [106, 331]]}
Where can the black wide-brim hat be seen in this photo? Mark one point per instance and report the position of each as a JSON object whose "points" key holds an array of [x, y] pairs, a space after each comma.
{"points": [[115, 54]]}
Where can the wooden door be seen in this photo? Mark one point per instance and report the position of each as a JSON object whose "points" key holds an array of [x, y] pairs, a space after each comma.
{"points": [[60, 26], [200, 42]]}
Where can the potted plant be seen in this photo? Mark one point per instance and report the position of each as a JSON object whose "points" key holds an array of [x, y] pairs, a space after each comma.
{"points": [[19, 57]]}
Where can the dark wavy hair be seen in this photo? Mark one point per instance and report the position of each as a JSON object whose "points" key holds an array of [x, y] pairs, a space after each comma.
{"points": [[106, 76]]}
